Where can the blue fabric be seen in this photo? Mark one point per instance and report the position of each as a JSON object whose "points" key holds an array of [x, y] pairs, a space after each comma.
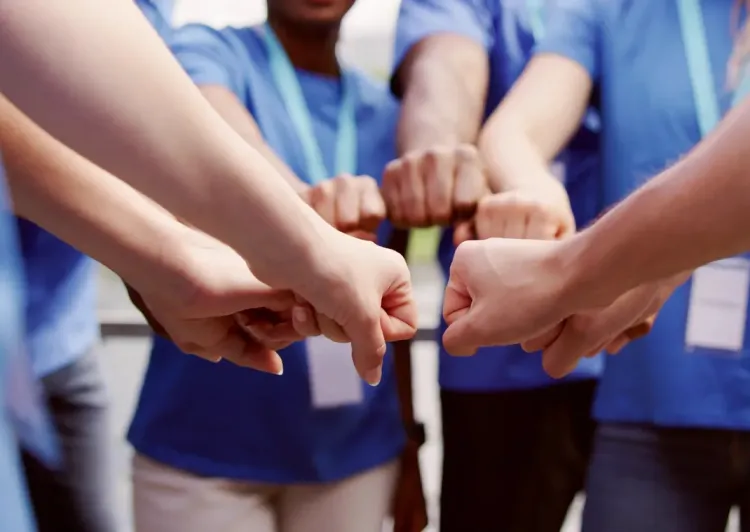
{"points": [[159, 14], [224, 421], [653, 479], [61, 321], [634, 51], [14, 507], [503, 28]]}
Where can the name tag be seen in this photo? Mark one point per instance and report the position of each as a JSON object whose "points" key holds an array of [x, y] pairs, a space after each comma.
{"points": [[333, 380], [718, 305], [558, 170]]}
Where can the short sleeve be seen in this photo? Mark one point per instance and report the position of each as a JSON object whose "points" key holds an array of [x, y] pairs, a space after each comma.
{"points": [[419, 19], [159, 16], [210, 56], [573, 30]]}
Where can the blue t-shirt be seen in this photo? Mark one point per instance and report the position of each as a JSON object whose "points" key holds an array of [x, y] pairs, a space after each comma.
{"points": [[224, 421], [14, 507], [159, 14], [61, 321], [504, 30], [635, 52]]}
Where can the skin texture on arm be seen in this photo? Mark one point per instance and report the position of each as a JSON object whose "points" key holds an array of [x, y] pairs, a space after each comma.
{"points": [[533, 123], [231, 109], [696, 212], [441, 68], [69, 66], [438, 177], [193, 282], [145, 122]]}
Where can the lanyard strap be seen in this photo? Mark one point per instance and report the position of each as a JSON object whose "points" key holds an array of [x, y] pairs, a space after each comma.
{"points": [[285, 79], [699, 64], [536, 9]]}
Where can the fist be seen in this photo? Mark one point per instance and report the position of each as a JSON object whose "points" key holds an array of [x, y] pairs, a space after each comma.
{"points": [[350, 204], [539, 214], [434, 187]]}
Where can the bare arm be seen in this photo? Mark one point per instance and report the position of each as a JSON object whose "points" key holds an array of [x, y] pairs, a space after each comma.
{"points": [[695, 212], [438, 73], [89, 208], [533, 123], [236, 115], [70, 66]]}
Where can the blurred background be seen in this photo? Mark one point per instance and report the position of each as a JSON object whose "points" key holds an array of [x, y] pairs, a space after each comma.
{"points": [[367, 42]]}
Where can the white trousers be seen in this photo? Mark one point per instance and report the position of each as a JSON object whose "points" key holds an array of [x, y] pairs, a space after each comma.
{"points": [[171, 500]]}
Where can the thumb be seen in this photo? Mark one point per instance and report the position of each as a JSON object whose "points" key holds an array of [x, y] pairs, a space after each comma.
{"points": [[460, 337], [368, 346], [245, 294]]}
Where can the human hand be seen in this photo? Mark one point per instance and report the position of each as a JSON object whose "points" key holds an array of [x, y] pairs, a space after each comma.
{"points": [[630, 317], [351, 204], [213, 307], [503, 292], [438, 186], [540, 212], [360, 289]]}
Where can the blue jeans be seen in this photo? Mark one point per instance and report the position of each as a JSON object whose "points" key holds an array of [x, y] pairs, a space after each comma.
{"points": [[644, 478]]}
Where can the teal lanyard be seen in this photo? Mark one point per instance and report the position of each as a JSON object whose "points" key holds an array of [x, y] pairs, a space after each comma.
{"points": [[536, 9], [285, 79], [699, 67]]}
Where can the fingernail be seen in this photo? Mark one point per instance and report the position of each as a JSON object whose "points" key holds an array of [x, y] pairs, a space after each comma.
{"points": [[373, 376], [299, 314], [281, 371]]}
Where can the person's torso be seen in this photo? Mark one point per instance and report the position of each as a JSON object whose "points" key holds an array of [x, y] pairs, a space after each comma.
{"points": [[61, 321], [649, 121], [221, 420], [499, 368], [15, 508]]}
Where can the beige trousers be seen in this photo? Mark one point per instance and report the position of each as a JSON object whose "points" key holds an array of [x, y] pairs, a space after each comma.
{"points": [[171, 500]]}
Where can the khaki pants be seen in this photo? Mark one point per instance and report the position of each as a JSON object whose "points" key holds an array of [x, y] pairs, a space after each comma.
{"points": [[171, 500]]}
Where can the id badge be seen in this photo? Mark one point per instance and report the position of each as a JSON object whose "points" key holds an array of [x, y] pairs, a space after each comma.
{"points": [[717, 312], [333, 380]]}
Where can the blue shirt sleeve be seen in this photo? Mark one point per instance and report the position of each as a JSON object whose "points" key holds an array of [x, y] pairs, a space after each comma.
{"points": [[209, 56], [419, 19], [573, 30]]}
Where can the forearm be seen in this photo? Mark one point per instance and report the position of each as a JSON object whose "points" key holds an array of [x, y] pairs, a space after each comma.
{"points": [[438, 73], [103, 217], [145, 122], [693, 213], [235, 114]]}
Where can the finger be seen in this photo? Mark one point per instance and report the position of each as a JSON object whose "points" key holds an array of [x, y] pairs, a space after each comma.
{"points": [[364, 235], [412, 192], [459, 339], [322, 199], [539, 227], [331, 330], [399, 313], [463, 231], [238, 347], [304, 321], [372, 206], [392, 193], [471, 183], [368, 345], [515, 223], [438, 174], [347, 203], [543, 341], [616, 345]]}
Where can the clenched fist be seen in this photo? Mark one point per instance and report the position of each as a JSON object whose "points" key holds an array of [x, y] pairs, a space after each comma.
{"points": [[434, 187], [352, 204], [539, 213]]}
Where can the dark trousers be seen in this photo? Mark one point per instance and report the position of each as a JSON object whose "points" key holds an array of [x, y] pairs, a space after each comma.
{"points": [[649, 479], [514, 461], [78, 497]]}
